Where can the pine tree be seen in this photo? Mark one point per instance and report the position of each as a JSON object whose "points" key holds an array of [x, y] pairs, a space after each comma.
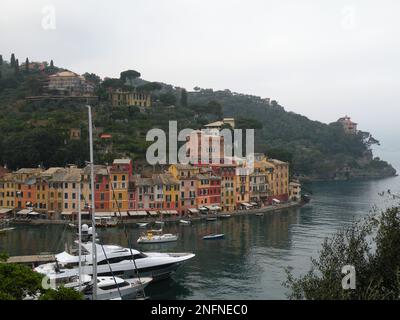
{"points": [[183, 98], [1, 60], [27, 64], [51, 64], [12, 60]]}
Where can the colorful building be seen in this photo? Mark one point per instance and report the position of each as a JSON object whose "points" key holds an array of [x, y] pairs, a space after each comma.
{"points": [[120, 171], [187, 176], [121, 97]]}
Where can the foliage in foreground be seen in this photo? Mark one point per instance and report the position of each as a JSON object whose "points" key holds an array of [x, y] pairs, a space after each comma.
{"points": [[18, 281], [61, 293], [372, 246]]}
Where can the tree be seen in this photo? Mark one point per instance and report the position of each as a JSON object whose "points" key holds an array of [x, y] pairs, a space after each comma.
{"points": [[371, 246], [62, 293], [150, 86], [18, 280], [16, 66], [12, 60], [129, 75], [184, 98], [168, 99], [27, 64], [92, 77], [51, 64], [1, 60]]}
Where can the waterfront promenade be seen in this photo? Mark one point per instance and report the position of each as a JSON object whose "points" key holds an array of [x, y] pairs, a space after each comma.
{"points": [[149, 219]]}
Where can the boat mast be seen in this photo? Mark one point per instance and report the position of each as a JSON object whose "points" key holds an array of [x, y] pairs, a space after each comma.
{"points": [[94, 252], [79, 234]]}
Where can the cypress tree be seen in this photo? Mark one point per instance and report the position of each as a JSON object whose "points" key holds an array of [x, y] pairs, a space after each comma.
{"points": [[183, 98], [51, 64], [16, 66], [12, 60], [27, 64], [1, 60]]}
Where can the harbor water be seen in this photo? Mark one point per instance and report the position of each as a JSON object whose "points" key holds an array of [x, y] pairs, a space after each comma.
{"points": [[249, 263]]}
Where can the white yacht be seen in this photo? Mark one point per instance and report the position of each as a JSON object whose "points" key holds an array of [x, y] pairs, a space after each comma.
{"points": [[119, 259], [110, 288]]}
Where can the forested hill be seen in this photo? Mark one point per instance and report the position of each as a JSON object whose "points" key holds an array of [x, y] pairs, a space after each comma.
{"points": [[38, 132], [315, 149]]}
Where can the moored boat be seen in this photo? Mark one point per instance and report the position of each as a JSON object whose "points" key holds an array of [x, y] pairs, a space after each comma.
{"points": [[214, 236], [185, 222], [156, 236]]}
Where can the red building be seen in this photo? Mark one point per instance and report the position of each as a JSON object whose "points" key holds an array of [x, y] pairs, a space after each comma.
{"points": [[102, 195]]}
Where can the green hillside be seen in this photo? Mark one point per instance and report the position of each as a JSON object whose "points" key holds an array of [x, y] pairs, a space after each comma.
{"points": [[37, 132]]}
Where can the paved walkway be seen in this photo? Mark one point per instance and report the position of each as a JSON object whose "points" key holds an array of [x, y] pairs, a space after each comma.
{"points": [[271, 208]]}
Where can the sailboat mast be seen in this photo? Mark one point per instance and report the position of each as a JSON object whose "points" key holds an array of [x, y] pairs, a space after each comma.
{"points": [[94, 251], [79, 235]]}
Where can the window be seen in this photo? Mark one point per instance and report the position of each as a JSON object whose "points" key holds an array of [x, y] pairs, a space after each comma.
{"points": [[65, 195]]}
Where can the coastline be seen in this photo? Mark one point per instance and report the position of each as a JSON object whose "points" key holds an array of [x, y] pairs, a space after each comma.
{"points": [[269, 209]]}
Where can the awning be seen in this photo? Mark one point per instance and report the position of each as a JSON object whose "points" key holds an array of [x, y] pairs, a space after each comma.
{"points": [[104, 214], [213, 208], [66, 213], [246, 204], [138, 213], [169, 212], [23, 212], [4, 210], [153, 213], [33, 213], [193, 210]]}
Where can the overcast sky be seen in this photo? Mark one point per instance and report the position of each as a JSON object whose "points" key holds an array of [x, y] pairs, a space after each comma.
{"points": [[323, 59]]}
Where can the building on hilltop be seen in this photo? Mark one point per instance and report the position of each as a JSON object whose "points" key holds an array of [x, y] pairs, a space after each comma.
{"points": [[349, 126], [120, 97], [68, 83], [218, 124]]}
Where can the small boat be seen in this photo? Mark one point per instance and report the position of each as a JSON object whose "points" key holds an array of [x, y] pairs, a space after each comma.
{"points": [[72, 225], [260, 214], [105, 222], [214, 236], [160, 222], [156, 236], [6, 229], [142, 225], [185, 222], [211, 219], [225, 216]]}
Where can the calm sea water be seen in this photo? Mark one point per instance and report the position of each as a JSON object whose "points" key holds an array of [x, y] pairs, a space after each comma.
{"points": [[249, 263]]}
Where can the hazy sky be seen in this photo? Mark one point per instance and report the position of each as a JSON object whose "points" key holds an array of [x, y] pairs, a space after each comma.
{"points": [[323, 59]]}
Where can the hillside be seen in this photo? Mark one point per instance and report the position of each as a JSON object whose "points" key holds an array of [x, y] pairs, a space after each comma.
{"points": [[38, 132]]}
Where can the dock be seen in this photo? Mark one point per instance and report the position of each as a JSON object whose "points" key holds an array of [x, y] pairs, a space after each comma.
{"points": [[32, 260]]}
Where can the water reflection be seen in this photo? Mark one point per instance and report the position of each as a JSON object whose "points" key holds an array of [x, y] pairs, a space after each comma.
{"points": [[249, 263]]}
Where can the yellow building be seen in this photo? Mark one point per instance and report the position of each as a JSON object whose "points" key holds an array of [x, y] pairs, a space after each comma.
{"points": [[170, 191], [280, 182], [120, 171], [120, 97], [242, 186], [7, 193]]}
